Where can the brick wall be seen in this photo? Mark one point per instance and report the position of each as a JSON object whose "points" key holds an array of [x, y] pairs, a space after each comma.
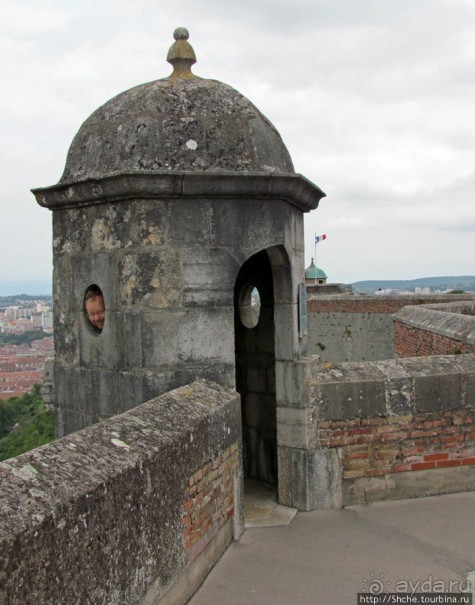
{"points": [[209, 501], [436, 329], [411, 341], [412, 442]]}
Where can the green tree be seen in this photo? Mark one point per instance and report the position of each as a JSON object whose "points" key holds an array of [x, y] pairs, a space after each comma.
{"points": [[18, 339], [24, 424]]}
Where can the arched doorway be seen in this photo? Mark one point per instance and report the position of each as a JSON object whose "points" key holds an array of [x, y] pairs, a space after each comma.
{"points": [[255, 367]]}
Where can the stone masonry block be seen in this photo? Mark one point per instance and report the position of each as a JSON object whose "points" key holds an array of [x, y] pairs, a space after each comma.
{"points": [[130, 390], [347, 390], [287, 346], [311, 480], [189, 223], [256, 225], [103, 228], [399, 393], [292, 380], [197, 336], [296, 428], [138, 223], [151, 279], [466, 363], [132, 339], [63, 300], [106, 393], [396, 486], [67, 393], [66, 336], [71, 231], [437, 382], [209, 275]]}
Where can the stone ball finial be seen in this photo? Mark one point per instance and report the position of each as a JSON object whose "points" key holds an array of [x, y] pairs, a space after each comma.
{"points": [[181, 54], [181, 33]]}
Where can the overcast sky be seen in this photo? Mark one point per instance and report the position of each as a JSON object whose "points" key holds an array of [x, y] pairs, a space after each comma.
{"points": [[375, 100]]}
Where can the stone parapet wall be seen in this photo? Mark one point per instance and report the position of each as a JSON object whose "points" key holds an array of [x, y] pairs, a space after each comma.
{"points": [[361, 429], [345, 303], [360, 328], [462, 307], [135, 509], [435, 329]]}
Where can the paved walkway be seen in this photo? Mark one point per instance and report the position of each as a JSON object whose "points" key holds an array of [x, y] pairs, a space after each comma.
{"points": [[327, 557]]}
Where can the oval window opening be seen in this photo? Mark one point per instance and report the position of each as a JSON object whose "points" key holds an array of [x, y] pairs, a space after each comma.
{"points": [[94, 309], [249, 305]]}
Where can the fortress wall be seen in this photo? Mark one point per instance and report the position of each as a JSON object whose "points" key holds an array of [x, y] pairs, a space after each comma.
{"points": [[356, 327], [435, 330], [340, 337], [382, 430], [135, 509]]}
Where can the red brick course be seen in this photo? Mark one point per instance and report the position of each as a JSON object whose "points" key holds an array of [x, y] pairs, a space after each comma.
{"points": [[379, 446], [413, 342], [209, 500]]}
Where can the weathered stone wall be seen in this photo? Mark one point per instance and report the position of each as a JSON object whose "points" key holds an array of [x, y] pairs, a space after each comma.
{"points": [[167, 268], [131, 510], [435, 330], [356, 327], [350, 336], [361, 432]]}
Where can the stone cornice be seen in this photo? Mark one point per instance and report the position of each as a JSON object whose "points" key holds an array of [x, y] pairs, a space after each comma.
{"points": [[293, 188]]}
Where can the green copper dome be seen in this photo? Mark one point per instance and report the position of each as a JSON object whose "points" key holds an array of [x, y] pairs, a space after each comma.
{"points": [[313, 272]]}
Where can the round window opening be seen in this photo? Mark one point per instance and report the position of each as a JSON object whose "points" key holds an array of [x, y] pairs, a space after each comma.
{"points": [[249, 305], [94, 309]]}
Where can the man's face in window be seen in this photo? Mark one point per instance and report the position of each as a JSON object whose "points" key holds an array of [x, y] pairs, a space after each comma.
{"points": [[95, 310]]}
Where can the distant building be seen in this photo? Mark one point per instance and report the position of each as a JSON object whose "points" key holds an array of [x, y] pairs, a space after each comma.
{"points": [[314, 275], [17, 312], [22, 366], [47, 321], [316, 282], [422, 290]]}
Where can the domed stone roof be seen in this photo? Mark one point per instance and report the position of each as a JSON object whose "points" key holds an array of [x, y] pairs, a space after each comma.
{"points": [[177, 124]]}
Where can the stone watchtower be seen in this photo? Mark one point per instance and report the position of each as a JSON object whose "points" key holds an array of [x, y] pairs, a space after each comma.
{"points": [[180, 202]]}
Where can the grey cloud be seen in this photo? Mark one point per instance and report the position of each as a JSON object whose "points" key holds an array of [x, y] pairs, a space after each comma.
{"points": [[374, 99]]}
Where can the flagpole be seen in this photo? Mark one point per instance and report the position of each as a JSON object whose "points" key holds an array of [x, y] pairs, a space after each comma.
{"points": [[318, 238], [315, 260]]}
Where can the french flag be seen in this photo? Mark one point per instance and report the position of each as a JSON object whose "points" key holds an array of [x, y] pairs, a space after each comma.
{"points": [[320, 238]]}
